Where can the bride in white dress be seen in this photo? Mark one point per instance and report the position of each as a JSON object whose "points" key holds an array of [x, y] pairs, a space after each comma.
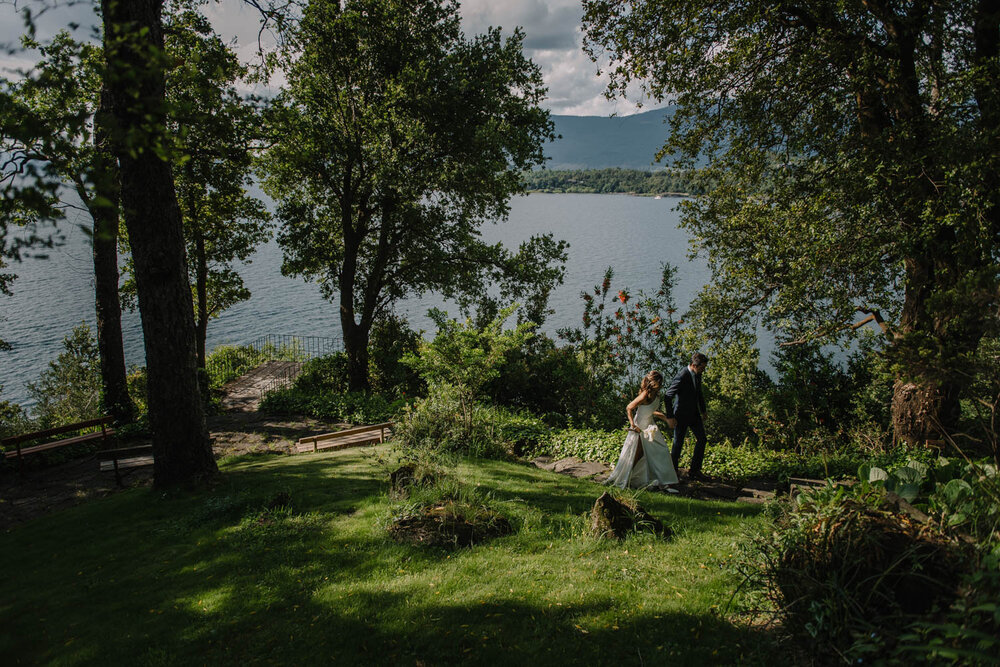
{"points": [[644, 462]]}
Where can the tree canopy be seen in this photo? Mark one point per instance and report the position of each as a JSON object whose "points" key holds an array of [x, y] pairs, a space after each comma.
{"points": [[396, 139], [855, 152]]}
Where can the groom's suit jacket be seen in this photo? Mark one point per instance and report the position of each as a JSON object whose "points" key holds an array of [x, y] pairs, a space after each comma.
{"points": [[690, 404]]}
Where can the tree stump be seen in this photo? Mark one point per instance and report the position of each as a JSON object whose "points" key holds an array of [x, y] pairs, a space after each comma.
{"points": [[610, 517]]}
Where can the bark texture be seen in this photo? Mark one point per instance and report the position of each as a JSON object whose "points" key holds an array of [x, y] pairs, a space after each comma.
{"points": [[133, 41]]}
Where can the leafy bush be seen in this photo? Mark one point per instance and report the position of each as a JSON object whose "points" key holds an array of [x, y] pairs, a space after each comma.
{"points": [[353, 407], [519, 432], [13, 419], [754, 462], [390, 340], [324, 374], [438, 422], [70, 389], [587, 444], [553, 382], [618, 347], [735, 389], [847, 569], [466, 356]]}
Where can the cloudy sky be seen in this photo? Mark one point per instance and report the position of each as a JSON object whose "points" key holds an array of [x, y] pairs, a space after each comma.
{"points": [[552, 29]]}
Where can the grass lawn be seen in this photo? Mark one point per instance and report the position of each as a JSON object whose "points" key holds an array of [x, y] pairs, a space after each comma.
{"points": [[212, 577]]}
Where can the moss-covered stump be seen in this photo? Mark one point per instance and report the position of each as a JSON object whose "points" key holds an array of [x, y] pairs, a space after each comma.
{"points": [[449, 525], [612, 517]]}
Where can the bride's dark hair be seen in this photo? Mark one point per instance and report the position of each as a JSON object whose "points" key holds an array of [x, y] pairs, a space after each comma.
{"points": [[651, 384]]}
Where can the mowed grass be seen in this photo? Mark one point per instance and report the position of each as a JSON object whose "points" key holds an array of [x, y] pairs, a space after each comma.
{"points": [[213, 577]]}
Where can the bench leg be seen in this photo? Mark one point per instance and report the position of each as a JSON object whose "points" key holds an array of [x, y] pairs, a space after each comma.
{"points": [[118, 474]]}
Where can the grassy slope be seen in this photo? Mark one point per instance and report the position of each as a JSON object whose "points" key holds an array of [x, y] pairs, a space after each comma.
{"points": [[206, 578]]}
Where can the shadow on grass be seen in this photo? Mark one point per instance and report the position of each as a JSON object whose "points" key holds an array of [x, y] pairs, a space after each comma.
{"points": [[222, 577]]}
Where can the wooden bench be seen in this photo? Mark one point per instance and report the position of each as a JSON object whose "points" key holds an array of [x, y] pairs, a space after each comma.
{"points": [[125, 457], [352, 437], [18, 440]]}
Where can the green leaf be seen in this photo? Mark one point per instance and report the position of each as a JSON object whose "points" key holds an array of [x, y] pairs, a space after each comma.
{"points": [[876, 474], [956, 490], [908, 475], [908, 491]]}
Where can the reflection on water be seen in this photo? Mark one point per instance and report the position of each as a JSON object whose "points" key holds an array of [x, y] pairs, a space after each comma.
{"points": [[635, 235]]}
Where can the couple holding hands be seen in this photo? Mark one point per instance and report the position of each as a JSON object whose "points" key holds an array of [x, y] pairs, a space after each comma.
{"points": [[645, 461]]}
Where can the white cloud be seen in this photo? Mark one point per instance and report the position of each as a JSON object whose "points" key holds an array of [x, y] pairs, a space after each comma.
{"points": [[553, 39]]}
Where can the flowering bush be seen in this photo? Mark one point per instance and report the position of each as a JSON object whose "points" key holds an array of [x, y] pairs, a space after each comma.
{"points": [[623, 338]]}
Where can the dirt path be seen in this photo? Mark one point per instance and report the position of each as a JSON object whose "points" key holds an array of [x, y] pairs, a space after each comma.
{"points": [[705, 489]]}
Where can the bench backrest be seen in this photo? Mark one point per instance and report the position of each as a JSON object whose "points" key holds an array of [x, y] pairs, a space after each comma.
{"points": [[38, 435], [350, 431]]}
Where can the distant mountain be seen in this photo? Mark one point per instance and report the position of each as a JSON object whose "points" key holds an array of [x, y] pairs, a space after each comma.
{"points": [[599, 142]]}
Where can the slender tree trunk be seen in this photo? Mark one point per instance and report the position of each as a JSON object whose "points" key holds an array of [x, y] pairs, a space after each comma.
{"points": [[108, 308], [133, 43], [201, 286], [356, 347]]}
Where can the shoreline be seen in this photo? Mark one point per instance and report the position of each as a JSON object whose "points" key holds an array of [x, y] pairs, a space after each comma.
{"points": [[592, 192]]}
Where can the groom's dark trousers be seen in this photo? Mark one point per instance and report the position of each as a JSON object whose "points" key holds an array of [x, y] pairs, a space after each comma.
{"points": [[685, 391]]}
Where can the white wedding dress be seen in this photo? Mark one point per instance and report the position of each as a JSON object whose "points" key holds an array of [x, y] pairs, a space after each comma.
{"points": [[655, 469]]}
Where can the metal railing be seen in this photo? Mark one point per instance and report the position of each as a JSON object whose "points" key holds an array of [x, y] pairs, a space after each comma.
{"points": [[282, 381], [227, 362]]}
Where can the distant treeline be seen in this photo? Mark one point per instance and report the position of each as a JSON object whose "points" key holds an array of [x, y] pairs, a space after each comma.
{"points": [[666, 182]]}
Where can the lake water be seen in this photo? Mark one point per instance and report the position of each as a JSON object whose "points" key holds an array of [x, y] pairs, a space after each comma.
{"points": [[635, 235]]}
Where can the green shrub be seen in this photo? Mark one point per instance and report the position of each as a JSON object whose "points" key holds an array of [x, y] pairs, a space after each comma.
{"points": [[519, 432], [324, 375], [13, 419], [623, 336], [438, 422], [353, 407], [390, 340], [553, 382], [587, 444], [69, 390]]}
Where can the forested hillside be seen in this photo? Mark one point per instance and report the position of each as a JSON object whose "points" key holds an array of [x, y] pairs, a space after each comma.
{"points": [[634, 181], [599, 142]]}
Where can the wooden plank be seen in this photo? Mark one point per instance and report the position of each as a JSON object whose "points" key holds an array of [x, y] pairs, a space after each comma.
{"points": [[136, 462], [350, 431], [124, 452], [337, 444], [60, 443], [38, 435]]}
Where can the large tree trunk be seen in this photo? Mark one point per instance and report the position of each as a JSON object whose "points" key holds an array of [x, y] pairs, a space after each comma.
{"points": [[923, 411], [108, 308], [133, 43], [933, 346]]}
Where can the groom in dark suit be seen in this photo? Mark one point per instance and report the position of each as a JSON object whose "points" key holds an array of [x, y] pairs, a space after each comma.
{"points": [[689, 412]]}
